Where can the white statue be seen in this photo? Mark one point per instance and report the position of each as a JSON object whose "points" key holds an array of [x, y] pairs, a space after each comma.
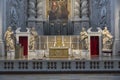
{"points": [[107, 39], [33, 39], [84, 39], [9, 39]]}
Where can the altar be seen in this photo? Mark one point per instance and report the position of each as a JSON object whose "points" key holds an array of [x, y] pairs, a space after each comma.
{"points": [[58, 52]]}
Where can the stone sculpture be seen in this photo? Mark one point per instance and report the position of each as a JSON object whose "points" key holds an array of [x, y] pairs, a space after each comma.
{"points": [[9, 39], [84, 39], [107, 39], [33, 39]]}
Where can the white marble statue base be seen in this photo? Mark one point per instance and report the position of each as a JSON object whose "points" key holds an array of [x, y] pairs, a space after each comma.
{"points": [[11, 55], [85, 54], [107, 52], [81, 54], [75, 53], [2, 50]]}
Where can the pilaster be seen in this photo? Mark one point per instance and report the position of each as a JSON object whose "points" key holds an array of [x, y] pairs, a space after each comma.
{"points": [[2, 25], [116, 26]]}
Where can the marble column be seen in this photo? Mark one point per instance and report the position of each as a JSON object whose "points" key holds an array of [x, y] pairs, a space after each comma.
{"points": [[32, 13], [81, 18], [40, 9], [31, 9], [2, 25], [40, 16], [77, 9], [84, 9], [85, 13], [76, 16]]}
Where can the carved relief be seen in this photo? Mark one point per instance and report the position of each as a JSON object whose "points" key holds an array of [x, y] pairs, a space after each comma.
{"points": [[14, 17], [102, 13], [16, 13]]}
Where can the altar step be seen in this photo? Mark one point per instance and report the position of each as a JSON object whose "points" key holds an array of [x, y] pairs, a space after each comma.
{"points": [[59, 66]]}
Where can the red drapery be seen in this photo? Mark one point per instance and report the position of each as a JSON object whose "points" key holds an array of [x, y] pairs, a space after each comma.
{"points": [[94, 45], [24, 42]]}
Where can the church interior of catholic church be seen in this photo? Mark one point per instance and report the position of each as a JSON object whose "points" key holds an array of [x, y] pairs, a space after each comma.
{"points": [[59, 36]]}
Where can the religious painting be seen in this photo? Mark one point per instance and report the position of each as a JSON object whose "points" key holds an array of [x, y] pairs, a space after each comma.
{"points": [[58, 10]]}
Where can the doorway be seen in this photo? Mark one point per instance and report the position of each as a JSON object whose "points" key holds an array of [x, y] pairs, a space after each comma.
{"points": [[94, 45], [23, 40]]}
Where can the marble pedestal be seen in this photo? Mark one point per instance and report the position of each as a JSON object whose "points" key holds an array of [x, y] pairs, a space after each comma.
{"points": [[85, 54], [11, 54], [2, 50]]}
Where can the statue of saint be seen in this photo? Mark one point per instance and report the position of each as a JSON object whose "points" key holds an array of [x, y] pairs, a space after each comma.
{"points": [[9, 39], [107, 39], [33, 39], [84, 39]]}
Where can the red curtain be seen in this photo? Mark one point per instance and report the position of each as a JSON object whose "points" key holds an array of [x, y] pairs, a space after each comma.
{"points": [[94, 45], [24, 42]]}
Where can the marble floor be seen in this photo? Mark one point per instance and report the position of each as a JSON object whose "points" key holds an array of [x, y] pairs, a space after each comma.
{"points": [[60, 76]]}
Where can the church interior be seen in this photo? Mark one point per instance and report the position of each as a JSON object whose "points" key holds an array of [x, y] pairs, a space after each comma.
{"points": [[59, 36]]}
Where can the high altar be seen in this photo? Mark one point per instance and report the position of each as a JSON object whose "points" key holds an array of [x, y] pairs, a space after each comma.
{"points": [[63, 46], [56, 31]]}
